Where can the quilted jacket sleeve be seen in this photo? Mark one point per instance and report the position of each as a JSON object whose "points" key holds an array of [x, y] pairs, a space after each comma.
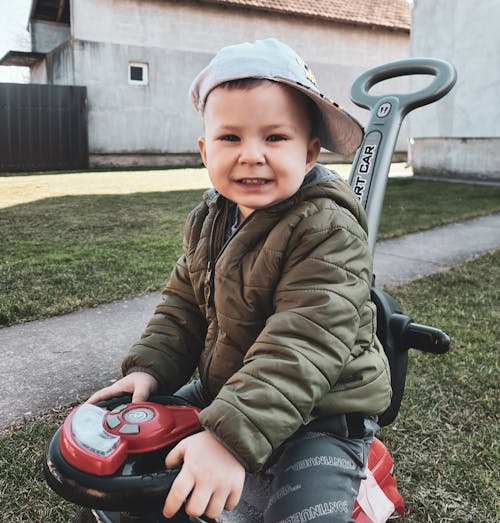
{"points": [[170, 346], [304, 346]]}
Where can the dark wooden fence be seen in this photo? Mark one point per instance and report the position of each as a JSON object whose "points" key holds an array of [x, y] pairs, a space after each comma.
{"points": [[43, 127]]}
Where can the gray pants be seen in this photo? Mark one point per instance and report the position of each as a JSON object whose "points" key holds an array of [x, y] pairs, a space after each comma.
{"points": [[314, 475]]}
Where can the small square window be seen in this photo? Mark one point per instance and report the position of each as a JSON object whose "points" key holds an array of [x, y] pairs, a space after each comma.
{"points": [[137, 73]]}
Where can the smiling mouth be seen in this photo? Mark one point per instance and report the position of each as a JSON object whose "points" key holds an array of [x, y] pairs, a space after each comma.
{"points": [[253, 181]]}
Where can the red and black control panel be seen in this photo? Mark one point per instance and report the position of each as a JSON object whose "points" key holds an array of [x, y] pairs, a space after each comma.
{"points": [[97, 441]]}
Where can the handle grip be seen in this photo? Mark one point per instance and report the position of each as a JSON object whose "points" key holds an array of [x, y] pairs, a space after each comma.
{"points": [[444, 79], [426, 339]]}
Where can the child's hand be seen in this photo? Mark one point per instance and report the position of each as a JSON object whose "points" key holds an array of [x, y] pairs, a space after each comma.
{"points": [[140, 384], [211, 478]]}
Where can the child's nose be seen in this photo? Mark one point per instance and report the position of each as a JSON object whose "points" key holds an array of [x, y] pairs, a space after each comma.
{"points": [[252, 152]]}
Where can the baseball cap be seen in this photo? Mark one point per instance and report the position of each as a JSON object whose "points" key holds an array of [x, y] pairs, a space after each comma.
{"points": [[273, 60]]}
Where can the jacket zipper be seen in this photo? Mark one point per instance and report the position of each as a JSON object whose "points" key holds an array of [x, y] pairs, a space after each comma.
{"points": [[210, 276], [210, 281]]}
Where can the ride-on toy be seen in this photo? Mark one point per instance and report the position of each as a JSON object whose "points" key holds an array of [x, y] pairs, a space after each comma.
{"points": [[110, 457]]}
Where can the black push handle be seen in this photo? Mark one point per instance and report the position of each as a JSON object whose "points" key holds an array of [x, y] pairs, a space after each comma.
{"points": [[410, 335], [426, 339]]}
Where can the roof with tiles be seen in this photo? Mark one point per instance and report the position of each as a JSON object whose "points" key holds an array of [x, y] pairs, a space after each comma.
{"points": [[389, 14]]}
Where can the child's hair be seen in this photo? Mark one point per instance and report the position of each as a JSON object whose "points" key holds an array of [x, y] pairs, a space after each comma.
{"points": [[249, 83]]}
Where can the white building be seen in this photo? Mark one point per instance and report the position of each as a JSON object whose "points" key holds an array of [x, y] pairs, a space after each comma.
{"points": [[137, 59], [459, 136]]}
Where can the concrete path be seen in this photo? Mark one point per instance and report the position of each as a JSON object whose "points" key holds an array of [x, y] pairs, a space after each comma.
{"points": [[422, 253], [63, 359]]}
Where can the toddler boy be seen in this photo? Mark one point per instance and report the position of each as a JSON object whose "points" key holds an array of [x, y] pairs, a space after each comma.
{"points": [[270, 300]]}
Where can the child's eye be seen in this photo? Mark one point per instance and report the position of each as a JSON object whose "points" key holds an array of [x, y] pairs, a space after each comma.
{"points": [[229, 138], [276, 138]]}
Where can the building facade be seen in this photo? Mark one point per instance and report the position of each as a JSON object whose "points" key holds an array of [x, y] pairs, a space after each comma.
{"points": [[137, 59], [459, 135]]}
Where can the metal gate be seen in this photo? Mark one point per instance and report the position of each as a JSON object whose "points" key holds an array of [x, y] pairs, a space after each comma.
{"points": [[43, 127]]}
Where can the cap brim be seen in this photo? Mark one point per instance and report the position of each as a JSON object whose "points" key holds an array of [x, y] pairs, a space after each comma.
{"points": [[338, 131]]}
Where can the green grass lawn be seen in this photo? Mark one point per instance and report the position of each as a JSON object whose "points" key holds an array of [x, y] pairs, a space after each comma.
{"points": [[61, 254], [444, 442], [411, 204]]}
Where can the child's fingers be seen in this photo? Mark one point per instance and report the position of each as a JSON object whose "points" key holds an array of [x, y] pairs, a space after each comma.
{"points": [[141, 393], [198, 501], [181, 488], [175, 456], [139, 384], [232, 500], [106, 393], [216, 505], [95, 397]]}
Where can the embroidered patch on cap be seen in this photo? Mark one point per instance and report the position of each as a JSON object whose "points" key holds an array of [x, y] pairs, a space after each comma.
{"points": [[307, 71]]}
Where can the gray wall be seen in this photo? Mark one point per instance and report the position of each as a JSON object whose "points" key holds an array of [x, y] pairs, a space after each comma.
{"points": [[459, 135], [46, 36], [145, 119], [177, 41]]}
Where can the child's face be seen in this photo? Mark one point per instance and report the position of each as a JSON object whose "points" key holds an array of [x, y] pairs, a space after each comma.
{"points": [[257, 144]]}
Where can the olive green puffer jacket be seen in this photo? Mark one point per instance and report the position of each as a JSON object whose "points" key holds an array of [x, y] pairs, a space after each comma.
{"points": [[278, 319]]}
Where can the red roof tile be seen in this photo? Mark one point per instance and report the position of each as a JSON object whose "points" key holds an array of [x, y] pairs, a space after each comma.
{"points": [[390, 14]]}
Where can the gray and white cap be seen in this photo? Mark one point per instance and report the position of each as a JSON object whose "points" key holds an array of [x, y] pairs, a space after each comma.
{"points": [[271, 59]]}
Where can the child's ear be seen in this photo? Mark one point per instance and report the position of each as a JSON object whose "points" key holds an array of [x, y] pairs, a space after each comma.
{"points": [[313, 150], [202, 149]]}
